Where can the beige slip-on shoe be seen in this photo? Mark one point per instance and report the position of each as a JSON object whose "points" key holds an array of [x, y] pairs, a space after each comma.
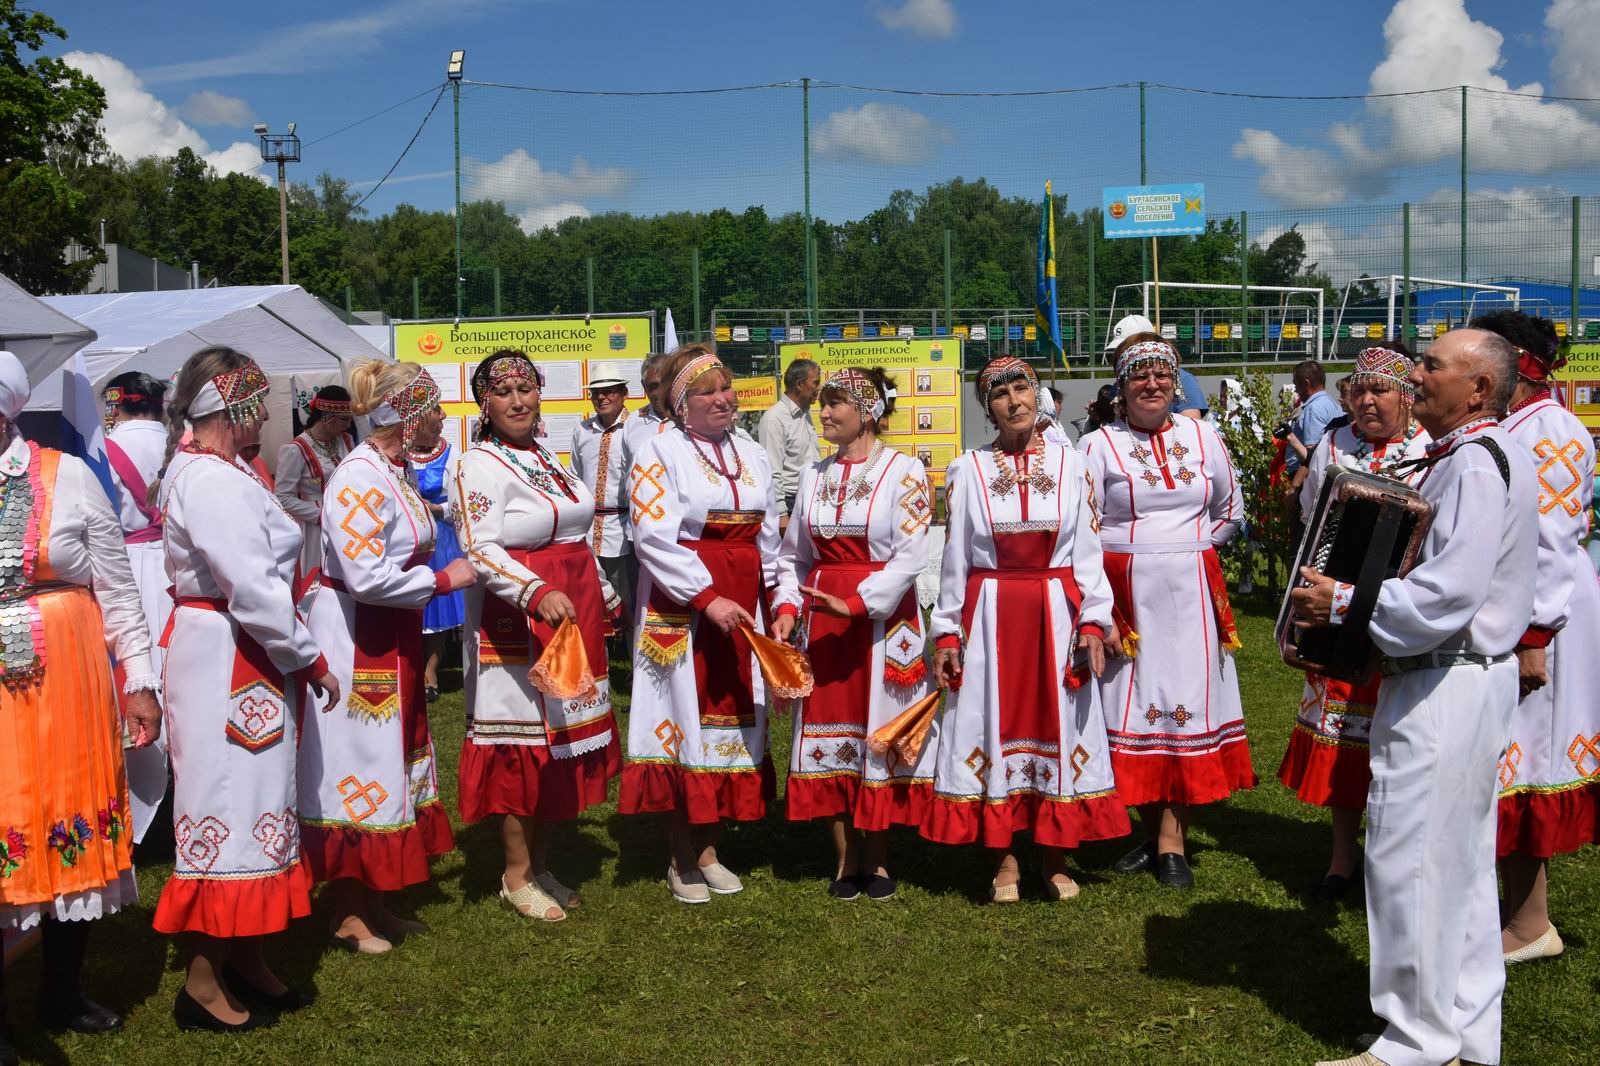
{"points": [[687, 889], [1548, 946], [721, 880]]}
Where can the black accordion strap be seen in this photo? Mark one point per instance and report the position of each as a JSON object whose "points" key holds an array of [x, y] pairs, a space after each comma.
{"points": [[1410, 466]]}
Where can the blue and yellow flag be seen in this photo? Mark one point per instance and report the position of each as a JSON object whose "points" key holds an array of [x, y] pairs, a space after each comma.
{"points": [[1045, 317]]}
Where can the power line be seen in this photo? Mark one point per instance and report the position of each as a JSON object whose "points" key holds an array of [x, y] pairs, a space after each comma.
{"points": [[369, 118], [432, 107]]}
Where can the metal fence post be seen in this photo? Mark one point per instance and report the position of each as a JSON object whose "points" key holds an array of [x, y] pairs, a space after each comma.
{"points": [[1577, 266], [1244, 285], [588, 266], [694, 277], [949, 303], [1463, 199], [350, 293], [416, 296], [1144, 253], [805, 156], [1094, 343], [497, 292], [1405, 266]]}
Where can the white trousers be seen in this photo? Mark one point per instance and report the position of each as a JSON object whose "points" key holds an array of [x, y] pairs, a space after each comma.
{"points": [[1432, 910]]}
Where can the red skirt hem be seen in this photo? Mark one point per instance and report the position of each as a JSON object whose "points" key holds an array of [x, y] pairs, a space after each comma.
{"points": [[740, 795], [1188, 779], [871, 807], [1327, 775], [232, 908], [1544, 824], [1053, 823], [529, 782], [384, 861]]}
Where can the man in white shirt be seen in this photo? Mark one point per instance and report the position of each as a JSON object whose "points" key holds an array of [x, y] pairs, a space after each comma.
{"points": [[1447, 630], [653, 418], [599, 459], [786, 430]]}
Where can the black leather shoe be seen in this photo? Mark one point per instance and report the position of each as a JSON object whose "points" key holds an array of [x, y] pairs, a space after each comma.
{"points": [[284, 1002], [432, 693], [190, 1015], [1138, 860], [1334, 887], [845, 888], [79, 1013], [879, 888], [1172, 870]]}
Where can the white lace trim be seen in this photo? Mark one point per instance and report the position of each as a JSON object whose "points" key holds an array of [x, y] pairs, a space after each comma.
{"points": [[142, 683], [82, 906]]}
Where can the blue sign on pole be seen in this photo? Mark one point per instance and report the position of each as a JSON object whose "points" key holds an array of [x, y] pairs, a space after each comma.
{"points": [[1154, 210]]}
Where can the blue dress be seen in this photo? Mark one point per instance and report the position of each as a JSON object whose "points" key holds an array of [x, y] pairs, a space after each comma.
{"points": [[445, 612]]}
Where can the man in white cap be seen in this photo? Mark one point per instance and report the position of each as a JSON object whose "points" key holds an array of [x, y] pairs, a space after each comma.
{"points": [[1191, 399], [598, 457]]}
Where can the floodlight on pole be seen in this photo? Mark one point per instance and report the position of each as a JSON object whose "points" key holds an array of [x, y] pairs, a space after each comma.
{"points": [[454, 71], [280, 148]]}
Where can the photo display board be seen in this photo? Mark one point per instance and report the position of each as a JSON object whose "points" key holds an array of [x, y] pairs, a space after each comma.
{"points": [[1580, 380], [570, 350], [926, 423]]}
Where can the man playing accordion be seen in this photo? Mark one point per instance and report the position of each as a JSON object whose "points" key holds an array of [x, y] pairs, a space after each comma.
{"points": [[1447, 630]]}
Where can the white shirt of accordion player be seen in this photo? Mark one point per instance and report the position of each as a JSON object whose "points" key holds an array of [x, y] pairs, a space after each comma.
{"points": [[1467, 593], [598, 452], [1343, 447]]}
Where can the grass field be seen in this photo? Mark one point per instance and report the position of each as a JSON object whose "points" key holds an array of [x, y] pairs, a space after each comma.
{"points": [[1244, 969]]}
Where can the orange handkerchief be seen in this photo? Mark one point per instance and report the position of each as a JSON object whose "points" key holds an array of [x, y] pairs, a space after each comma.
{"points": [[786, 670], [563, 670]]}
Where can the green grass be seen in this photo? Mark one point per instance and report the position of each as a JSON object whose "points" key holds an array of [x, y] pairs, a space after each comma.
{"points": [[1242, 970]]}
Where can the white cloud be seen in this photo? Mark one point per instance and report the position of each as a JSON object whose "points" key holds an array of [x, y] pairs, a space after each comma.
{"points": [[308, 45], [540, 196], [136, 124], [1430, 43], [925, 18], [879, 133], [1574, 27], [211, 108]]}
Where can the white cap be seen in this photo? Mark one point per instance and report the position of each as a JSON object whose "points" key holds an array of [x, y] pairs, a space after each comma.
{"points": [[606, 376], [1127, 327]]}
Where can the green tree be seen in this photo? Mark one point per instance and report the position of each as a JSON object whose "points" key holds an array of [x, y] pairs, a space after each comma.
{"points": [[49, 128]]}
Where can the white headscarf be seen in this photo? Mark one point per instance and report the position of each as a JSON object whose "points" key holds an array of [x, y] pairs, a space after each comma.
{"points": [[14, 389]]}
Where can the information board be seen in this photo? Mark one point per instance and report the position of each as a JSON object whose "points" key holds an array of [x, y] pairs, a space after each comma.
{"points": [[1580, 383], [926, 423], [570, 350], [1154, 210]]}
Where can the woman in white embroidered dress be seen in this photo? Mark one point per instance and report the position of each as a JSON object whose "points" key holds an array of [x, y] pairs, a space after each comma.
{"points": [[1024, 612], [1326, 762], [369, 796], [306, 463], [136, 444], [237, 658], [855, 544], [1168, 498], [65, 849], [531, 759], [705, 526]]}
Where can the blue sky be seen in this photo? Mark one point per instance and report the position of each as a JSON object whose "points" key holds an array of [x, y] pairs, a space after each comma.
{"points": [[202, 73]]}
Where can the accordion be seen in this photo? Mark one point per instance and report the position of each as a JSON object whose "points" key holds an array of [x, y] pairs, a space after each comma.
{"points": [[1366, 528]]}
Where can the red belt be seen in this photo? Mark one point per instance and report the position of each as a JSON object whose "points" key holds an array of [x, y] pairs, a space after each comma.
{"points": [[202, 603]]}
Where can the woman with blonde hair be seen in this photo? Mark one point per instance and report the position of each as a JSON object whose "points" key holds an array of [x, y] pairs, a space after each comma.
{"points": [[705, 527], [238, 658], [536, 753], [856, 542], [369, 794]]}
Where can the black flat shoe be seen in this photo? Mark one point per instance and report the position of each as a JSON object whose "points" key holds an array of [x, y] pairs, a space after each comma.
{"points": [[1334, 887], [1172, 870], [191, 1016], [1138, 860], [78, 1013], [431, 693], [879, 888], [290, 999], [844, 888]]}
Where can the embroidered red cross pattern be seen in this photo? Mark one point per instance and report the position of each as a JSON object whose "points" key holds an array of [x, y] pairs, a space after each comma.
{"points": [[367, 502], [1568, 455], [356, 796], [1582, 747]]}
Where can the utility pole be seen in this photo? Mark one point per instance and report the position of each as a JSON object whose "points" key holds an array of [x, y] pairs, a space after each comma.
{"points": [[282, 149], [454, 72]]}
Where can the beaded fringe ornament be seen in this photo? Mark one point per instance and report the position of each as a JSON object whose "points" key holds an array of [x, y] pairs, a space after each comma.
{"points": [[243, 392]]}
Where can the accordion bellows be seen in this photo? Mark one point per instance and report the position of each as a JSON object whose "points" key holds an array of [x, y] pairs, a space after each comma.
{"points": [[1366, 529]]}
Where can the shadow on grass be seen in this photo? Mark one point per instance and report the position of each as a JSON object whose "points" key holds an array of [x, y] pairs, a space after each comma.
{"points": [[1286, 958], [1290, 851], [577, 856]]}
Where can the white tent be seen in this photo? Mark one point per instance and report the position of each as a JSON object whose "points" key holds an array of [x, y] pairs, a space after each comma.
{"points": [[285, 329], [39, 335]]}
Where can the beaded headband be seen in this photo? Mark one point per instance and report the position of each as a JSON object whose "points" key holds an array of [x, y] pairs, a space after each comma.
{"points": [[241, 392], [494, 370], [1143, 354], [859, 390], [329, 406], [406, 406], [1003, 371], [1385, 364], [679, 390]]}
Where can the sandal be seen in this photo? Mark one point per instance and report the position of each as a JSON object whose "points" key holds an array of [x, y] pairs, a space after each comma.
{"points": [[531, 902], [564, 896], [999, 893]]}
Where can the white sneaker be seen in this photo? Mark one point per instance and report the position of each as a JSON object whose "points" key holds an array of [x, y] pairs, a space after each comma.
{"points": [[689, 889], [721, 880]]}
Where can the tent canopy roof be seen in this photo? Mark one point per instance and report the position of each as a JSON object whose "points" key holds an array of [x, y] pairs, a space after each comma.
{"points": [[41, 336]]}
